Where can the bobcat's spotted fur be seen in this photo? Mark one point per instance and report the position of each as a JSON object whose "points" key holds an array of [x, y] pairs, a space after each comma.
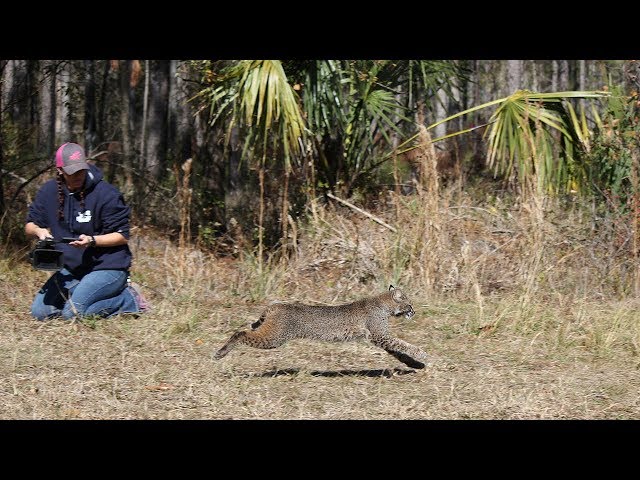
{"points": [[366, 318]]}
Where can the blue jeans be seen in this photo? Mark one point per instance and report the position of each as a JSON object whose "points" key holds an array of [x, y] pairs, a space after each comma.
{"points": [[101, 292]]}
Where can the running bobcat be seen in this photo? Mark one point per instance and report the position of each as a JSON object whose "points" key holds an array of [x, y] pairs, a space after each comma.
{"points": [[366, 318]]}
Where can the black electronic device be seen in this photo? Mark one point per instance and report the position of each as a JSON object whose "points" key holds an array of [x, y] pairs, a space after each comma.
{"points": [[45, 256], [69, 239]]}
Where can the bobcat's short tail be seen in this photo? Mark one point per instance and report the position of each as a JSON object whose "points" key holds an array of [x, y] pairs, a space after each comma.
{"points": [[235, 338]]}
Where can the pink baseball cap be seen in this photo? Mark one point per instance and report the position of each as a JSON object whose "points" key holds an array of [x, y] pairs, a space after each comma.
{"points": [[71, 158]]}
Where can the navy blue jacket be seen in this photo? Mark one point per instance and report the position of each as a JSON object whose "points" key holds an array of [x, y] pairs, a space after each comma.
{"points": [[104, 212]]}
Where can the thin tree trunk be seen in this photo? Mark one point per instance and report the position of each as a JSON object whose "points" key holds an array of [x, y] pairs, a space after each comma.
{"points": [[564, 76], [285, 213], [489, 73], [635, 171], [18, 101], [514, 75], [125, 73], [441, 112], [396, 187], [477, 95], [312, 161], [32, 98], [454, 103], [63, 128], [464, 84], [145, 113], [101, 120], [158, 113], [535, 85], [47, 107], [233, 190], [261, 218], [7, 80], [499, 87], [631, 77], [184, 119], [581, 80], [172, 110], [90, 106], [53, 87]]}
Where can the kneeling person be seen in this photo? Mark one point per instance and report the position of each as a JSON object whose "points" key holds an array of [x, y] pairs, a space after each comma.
{"points": [[94, 278]]}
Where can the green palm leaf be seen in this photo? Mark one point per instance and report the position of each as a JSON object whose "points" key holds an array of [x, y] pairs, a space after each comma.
{"points": [[266, 101], [522, 137]]}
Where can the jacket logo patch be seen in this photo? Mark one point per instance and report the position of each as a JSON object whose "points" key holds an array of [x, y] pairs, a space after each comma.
{"points": [[84, 217]]}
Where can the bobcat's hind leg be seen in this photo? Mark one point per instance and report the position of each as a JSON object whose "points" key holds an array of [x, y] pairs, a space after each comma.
{"points": [[408, 354], [260, 338]]}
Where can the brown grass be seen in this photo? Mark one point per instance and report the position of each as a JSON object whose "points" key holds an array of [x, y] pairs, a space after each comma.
{"points": [[525, 310]]}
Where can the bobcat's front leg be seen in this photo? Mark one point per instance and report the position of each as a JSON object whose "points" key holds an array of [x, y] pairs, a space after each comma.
{"points": [[408, 354]]}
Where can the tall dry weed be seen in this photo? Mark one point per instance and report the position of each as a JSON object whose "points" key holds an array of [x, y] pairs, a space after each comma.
{"points": [[428, 235]]}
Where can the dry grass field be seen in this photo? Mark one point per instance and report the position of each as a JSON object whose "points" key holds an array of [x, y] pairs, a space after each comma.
{"points": [[526, 317]]}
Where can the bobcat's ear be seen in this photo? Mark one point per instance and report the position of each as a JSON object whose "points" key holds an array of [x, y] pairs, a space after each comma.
{"points": [[391, 287]]}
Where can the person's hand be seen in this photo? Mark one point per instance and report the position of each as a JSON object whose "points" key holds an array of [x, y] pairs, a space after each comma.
{"points": [[43, 233], [83, 241]]}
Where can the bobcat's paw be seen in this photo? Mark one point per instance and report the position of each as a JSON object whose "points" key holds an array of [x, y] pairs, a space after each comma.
{"points": [[413, 363], [409, 360]]}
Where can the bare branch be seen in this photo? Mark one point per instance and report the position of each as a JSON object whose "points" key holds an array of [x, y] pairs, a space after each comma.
{"points": [[366, 214]]}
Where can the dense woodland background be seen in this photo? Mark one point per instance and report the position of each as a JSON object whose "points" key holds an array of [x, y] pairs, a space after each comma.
{"points": [[233, 154]]}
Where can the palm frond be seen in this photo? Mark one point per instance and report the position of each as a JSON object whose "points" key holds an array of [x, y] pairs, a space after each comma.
{"points": [[267, 101], [522, 137]]}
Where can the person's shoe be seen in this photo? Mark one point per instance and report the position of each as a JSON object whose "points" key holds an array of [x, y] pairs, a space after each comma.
{"points": [[142, 302]]}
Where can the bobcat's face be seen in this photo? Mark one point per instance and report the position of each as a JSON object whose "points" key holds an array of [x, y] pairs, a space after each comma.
{"points": [[402, 305]]}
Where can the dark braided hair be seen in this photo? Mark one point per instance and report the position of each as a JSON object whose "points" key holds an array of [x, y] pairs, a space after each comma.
{"points": [[59, 181]]}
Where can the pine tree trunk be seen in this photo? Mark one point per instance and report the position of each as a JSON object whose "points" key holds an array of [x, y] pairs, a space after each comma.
{"points": [[514, 75], [284, 221], [261, 219], [18, 101], [454, 102], [157, 122], [181, 120], [535, 84], [564, 76], [90, 107], [145, 115], [125, 75], [5, 81], [101, 115], [172, 110], [63, 127], [441, 112], [635, 209], [47, 124]]}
